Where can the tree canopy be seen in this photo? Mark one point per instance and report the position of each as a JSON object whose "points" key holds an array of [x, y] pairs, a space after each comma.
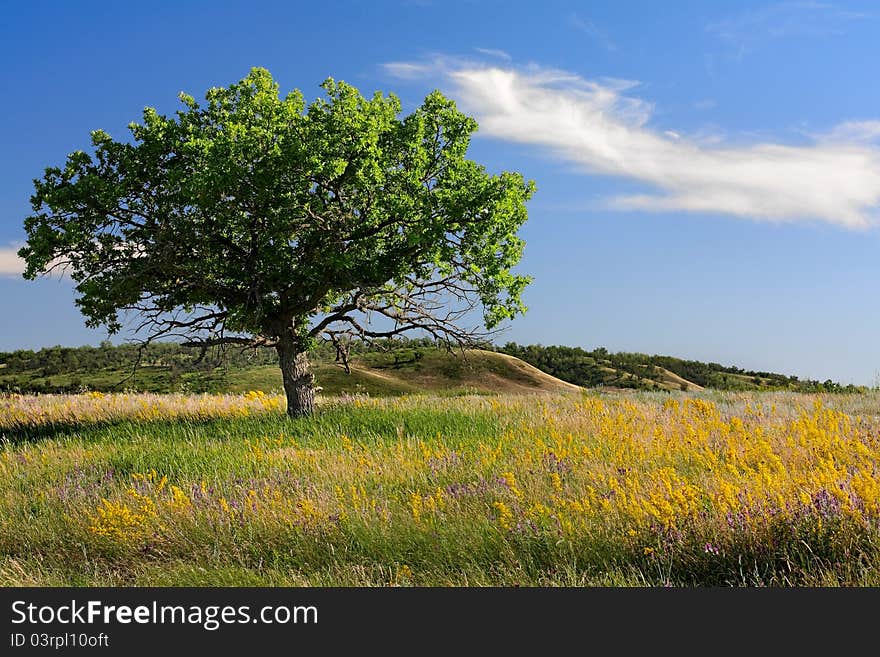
{"points": [[257, 219]]}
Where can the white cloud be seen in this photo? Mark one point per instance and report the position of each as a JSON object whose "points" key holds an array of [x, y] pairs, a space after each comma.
{"points": [[10, 263], [603, 130], [12, 266]]}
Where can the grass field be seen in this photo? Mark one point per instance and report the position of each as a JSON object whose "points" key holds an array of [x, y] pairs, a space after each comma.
{"points": [[544, 489]]}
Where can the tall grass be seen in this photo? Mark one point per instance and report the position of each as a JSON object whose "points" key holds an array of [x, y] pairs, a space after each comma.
{"points": [[646, 489]]}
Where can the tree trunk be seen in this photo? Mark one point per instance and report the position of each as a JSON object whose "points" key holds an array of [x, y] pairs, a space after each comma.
{"points": [[298, 380]]}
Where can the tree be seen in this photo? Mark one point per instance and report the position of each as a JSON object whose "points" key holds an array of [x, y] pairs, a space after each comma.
{"points": [[254, 219]]}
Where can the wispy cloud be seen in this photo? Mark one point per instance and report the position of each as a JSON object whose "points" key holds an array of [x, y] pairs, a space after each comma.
{"points": [[494, 52], [603, 128], [853, 132], [10, 263], [744, 32], [407, 70], [588, 27]]}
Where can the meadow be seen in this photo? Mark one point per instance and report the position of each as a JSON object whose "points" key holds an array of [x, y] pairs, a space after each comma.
{"points": [[571, 489]]}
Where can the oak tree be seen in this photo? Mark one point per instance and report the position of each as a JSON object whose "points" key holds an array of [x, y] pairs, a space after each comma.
{"points": [[256, 219]]}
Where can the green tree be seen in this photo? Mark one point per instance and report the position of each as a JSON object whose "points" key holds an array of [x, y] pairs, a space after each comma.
{"points": [[254, 219]]}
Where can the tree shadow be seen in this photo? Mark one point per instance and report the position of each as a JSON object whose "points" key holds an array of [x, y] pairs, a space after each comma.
{"points": [[29, 435]]}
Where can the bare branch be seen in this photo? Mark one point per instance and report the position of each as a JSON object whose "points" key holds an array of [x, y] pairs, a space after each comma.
{"points": [[244, 342]]}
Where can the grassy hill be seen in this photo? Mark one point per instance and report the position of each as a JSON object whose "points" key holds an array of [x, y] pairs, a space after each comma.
{"points": [[599, 367], [391, 369], [399, 372]]}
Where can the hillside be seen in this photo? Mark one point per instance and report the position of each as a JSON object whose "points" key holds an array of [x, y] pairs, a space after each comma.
{"points": [[399, 373], [380, 370], [599, 367], [402, 371]]}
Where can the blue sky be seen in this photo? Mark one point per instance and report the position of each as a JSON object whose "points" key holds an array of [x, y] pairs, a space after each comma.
{"points": [[708, 173]]}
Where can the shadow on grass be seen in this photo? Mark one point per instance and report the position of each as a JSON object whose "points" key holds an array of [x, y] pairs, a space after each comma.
{"points": [[35, 434], [365, 424], [101, 429]]}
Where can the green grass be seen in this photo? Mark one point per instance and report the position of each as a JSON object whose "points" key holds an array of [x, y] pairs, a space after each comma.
{"points": [[40, 545], [350, 497]]}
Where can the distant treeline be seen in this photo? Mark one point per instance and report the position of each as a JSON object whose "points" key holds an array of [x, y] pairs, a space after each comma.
{"points": [[641, 371], [51, 361]]}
